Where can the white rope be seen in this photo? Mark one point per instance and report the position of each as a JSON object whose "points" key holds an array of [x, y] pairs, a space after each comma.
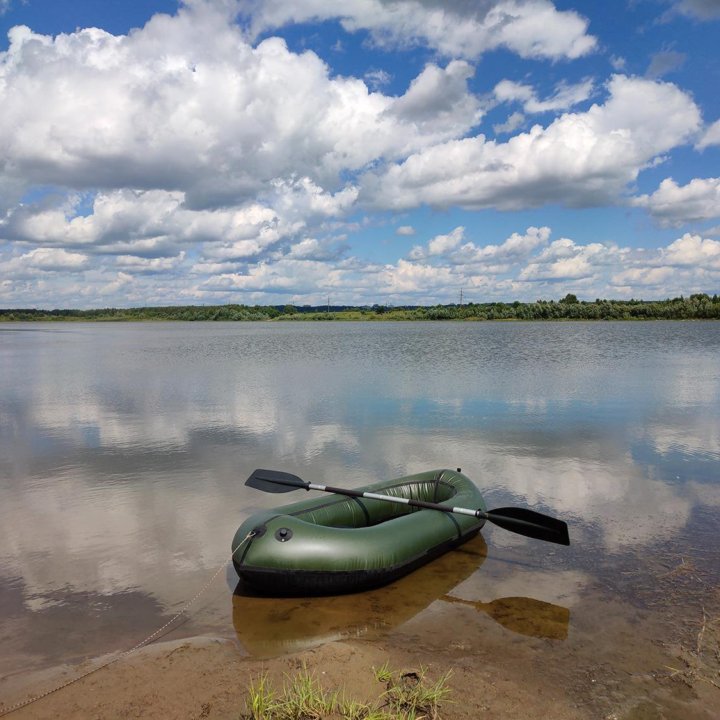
{"points": [[133, 649]]}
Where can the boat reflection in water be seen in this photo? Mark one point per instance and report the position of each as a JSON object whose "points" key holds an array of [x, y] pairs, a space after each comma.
{"points": [[268, 627]]}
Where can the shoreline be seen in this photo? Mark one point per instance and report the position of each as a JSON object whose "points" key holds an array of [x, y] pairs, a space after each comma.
{"points": [[628, 673], [573, 655], [206, 677]]}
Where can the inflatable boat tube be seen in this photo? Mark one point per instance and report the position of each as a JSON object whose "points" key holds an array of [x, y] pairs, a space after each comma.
{"points": [[335, 544]]}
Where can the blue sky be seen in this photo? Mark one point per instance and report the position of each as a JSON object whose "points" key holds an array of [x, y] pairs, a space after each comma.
{"points": [[213, 151]]}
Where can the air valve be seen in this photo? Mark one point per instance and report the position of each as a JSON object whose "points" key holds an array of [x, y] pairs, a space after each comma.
{"points": [[283, 534]]}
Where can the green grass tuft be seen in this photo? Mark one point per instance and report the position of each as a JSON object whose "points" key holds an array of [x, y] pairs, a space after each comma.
{"points": [[262, 699], [410, 696], [407, 696]]}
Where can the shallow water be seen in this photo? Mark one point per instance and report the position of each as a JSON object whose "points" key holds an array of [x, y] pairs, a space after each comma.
{"points": [[124, 448]]}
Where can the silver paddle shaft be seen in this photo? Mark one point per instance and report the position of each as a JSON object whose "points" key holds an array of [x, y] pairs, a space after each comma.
{"points": [[400, 501]]}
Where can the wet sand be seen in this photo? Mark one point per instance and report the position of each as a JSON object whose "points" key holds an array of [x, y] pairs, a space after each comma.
{"points": [[205, 678]]}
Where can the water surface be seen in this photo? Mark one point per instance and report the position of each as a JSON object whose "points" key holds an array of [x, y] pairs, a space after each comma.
{"points": [[124, 448]]}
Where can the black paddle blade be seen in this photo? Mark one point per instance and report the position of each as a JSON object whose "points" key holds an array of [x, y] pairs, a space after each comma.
{"points": [[531, 524], [274, 481]]}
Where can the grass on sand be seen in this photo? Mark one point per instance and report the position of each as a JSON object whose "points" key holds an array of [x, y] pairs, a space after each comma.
{"points": [[408, 695]]}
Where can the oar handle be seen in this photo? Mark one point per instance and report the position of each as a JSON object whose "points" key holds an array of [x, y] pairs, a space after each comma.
{"points": [[398, 500]]}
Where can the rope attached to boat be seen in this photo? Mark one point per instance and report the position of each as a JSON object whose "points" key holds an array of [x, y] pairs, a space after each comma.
{"points": [[135, 648]]}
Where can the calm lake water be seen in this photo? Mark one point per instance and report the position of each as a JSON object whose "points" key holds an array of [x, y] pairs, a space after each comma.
{"points": [[124, 449]]}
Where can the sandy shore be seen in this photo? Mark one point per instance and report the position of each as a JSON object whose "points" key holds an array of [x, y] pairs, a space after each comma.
{"points": [[208, 678]]}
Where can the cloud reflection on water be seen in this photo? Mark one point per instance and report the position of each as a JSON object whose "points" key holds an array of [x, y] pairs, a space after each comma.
{"points": [[123, 449]]}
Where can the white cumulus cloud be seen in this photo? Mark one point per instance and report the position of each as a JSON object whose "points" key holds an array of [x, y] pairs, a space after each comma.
{"points": [[513, 122], [440, 244], [711, 136], [693, 250], [45, 260], [565, 96], [162, 108], [565, 260], [455, 251], [530, 28], [688, 264], [438, 100], [197, 158], [132, 263], [673, 204], [580, 159], [407, 278]]}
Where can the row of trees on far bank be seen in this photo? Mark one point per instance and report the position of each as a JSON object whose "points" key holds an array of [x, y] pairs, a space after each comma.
{"points": [[699, 306], [695, 307]]}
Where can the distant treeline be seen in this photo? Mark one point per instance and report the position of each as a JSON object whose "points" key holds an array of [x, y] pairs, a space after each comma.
{"points": [[695, 307]]}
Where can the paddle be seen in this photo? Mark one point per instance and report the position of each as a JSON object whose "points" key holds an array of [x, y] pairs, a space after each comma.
{"points": [[518, 520]]}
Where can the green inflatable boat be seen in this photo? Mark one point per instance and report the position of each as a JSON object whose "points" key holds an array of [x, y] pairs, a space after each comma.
{"points": [[335, 544]]}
